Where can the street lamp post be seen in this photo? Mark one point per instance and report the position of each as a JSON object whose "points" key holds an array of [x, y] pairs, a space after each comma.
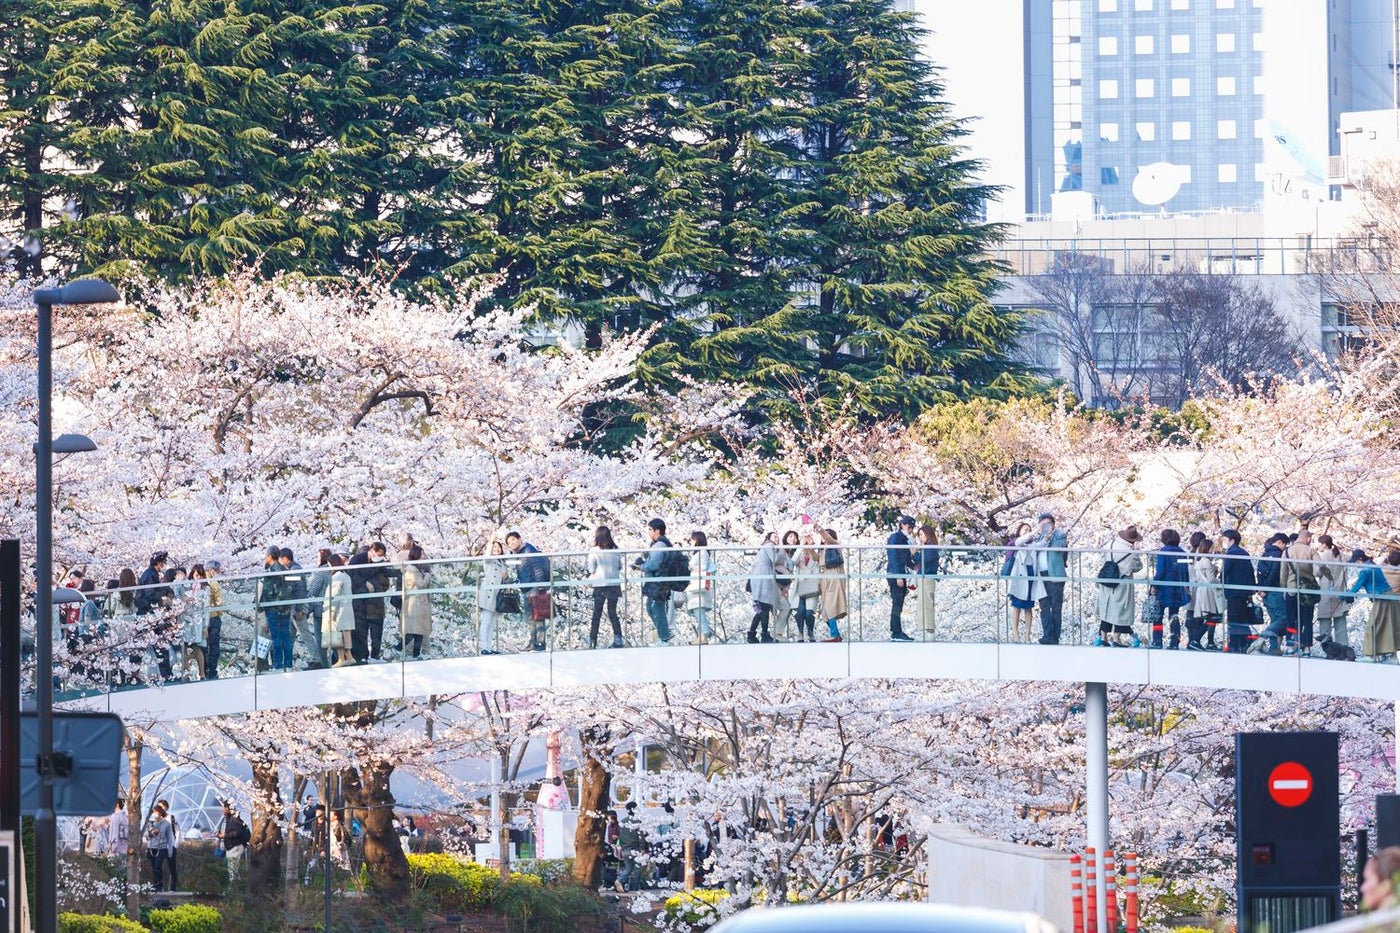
{"points": [[81, 292]]}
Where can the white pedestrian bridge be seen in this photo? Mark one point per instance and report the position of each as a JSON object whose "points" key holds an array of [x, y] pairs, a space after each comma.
{"points": [[972, 639], [932, 660]]}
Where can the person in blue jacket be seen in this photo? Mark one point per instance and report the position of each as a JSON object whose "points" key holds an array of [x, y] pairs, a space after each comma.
{"points": [[1169, 578]]}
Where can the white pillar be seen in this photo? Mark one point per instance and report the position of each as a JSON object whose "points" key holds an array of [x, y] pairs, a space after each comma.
{"points": [[1096, 784], [492, 821]]}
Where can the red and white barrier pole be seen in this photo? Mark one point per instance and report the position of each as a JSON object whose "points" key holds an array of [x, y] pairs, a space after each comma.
{"points": [[1110, 892], [1076, 891], [1091, 894], [1130, 884]]}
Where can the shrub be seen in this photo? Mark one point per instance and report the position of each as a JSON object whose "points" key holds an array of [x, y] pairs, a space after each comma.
{"points": [[456, 884], [93, 923], [545, 910], [551, 871], [187, 918], [698, 909]]}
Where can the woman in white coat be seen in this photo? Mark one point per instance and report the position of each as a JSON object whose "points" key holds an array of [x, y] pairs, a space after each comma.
{"points": [[1117, 597], [417, 613], [338, 614], [700, 597], [1024, 586], [489, 593], [1207, 605]]}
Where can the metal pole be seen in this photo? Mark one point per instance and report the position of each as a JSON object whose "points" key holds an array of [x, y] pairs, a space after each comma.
{"points": [[45, 823], [1096, 785], [9, 686], [326, 847], [1396, 743]]}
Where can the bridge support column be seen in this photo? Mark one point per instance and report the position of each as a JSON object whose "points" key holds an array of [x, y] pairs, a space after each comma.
{"points": [[1096, 783], [1397, 746]]}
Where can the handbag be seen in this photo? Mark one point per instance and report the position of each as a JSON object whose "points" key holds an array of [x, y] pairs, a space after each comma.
{"points": [[508, 602], [219, 852], [261, 647], [541, 606], [1152, 610]]}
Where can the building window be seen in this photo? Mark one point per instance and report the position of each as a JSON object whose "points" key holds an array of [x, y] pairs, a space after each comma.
{"points": [[1181, 4], [1181, 87], [1108, 45], [1108, 89], [1181, 129], [1144, 87], [1224, 4], [1142, 45], [1225, 129], [1108, 176], [1225, 42], [1108, 6], [1225, 86], [1108, 132], [1142, 6], [1181, 44], [1146, 132], [1225, 173]]}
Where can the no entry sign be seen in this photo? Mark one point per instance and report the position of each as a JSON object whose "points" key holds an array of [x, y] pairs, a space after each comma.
{"points": [[1290, 784]]}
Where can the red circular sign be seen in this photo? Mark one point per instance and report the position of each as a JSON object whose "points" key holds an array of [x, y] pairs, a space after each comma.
{"points": [[1290, 784]]}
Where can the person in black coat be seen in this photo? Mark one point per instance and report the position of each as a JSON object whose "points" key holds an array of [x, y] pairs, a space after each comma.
{"points": [[368, 576], [1240, 582]]}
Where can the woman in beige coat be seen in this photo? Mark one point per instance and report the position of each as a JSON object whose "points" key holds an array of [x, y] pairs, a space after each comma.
{"points": [[1117, 600], [417, 612], [832, 585]]}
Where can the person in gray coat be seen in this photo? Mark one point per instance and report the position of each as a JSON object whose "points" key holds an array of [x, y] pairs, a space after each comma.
{"points": [[763, 587]]}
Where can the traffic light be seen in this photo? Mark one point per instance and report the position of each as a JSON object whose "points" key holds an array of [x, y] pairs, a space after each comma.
{"points": [[1288, 846]]}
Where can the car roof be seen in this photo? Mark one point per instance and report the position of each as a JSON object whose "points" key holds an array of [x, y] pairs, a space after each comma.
{"points": [[883, 918]]}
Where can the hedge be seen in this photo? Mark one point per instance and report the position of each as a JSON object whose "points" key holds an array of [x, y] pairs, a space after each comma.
{"points": [[97, 923], [698, 908], [187, 918]]}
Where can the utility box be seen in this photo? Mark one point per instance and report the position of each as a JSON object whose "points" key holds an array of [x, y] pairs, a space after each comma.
{"points": [[1288, 836]]}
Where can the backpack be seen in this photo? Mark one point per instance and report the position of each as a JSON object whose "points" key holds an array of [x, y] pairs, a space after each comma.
{"points": [[1109, 574], [677, 564], [236, 833]]}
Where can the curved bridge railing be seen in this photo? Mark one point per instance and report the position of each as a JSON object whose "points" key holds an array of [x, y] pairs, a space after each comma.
{"points": [[968, 634]]}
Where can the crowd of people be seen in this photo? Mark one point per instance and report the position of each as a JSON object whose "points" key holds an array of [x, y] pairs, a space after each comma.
{"points": [[1293, 598]]}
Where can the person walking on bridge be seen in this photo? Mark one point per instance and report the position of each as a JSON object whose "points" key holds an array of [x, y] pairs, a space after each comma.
{"points": [[1116, 603], [1237, 575], [1051, 546], [898, 562]]}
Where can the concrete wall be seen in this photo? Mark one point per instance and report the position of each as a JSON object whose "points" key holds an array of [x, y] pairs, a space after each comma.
{"points": [[971, 871]]}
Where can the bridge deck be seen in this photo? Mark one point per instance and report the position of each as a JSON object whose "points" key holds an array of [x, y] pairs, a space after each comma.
{"points": [[936, 660]]}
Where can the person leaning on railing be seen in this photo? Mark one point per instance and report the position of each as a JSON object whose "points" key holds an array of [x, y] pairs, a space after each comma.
{"points": [[1382, 584], [1299, 578]]}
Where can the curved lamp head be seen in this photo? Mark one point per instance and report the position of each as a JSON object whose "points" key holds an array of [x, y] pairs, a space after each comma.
{"points": [[66, 594], [79, 292], [73, 444]]}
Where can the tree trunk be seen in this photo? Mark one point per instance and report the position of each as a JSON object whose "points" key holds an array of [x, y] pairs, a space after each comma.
{"points": [[591, 836], [368, 799], [265, 849], [292, 861], [134, 747]]}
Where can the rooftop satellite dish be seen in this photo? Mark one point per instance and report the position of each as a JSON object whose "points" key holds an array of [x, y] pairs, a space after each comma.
{"points": [[1158, 183], [1297, 152]]}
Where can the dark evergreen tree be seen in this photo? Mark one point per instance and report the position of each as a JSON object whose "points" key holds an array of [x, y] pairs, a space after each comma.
{"points": [[888, 228]]}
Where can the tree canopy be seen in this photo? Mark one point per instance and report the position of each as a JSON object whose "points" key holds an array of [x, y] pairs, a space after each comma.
{"points": [[774, 192]]}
